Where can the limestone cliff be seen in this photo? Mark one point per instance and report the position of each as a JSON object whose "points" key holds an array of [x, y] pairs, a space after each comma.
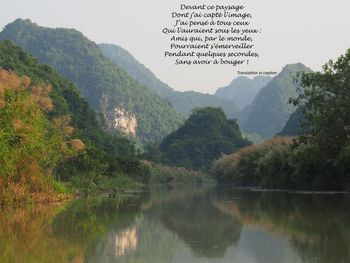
{"points": [[124, 121]]}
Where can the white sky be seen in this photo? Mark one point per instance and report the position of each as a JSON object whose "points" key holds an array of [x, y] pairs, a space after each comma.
{"points": [[307, 31]]}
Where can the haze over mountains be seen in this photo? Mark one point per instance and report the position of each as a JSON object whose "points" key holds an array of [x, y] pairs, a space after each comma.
{"points": [[271, 109], [135, 101], [183, 102], [242, 90], [260, 104]]}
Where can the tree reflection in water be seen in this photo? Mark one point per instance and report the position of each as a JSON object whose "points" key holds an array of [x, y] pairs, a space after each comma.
{"points": [[316, 225], [181, 224]]}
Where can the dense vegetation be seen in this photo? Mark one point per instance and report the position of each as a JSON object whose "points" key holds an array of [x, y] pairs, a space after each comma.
{"points": [[106, 154], [242, 90], [204, 137], [318, 159], [270, 109], [104, 85], [31, 144], [183, 102], [256, 165]]}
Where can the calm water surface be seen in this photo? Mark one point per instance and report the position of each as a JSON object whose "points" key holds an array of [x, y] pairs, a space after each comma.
{"points": [[181, 224]]}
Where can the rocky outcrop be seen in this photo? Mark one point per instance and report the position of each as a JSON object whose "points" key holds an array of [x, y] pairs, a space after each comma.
{"points": [[124, 121]]}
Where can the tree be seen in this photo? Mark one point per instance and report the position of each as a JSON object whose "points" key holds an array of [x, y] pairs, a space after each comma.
{"points": [[326, 106]]}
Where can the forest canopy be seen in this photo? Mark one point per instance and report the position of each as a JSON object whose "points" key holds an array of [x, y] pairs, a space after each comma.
{"points": [[204, 137]]}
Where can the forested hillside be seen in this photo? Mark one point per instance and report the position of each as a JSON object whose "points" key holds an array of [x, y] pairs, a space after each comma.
{"points": [[317, 159], [205, 136], [105, 154], [125, 103], [183, 102]]}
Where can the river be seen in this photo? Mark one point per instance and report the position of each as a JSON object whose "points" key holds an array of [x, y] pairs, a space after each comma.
{"points": [[181, 224]]}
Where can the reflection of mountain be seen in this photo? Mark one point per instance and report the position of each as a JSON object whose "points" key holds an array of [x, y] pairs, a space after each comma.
{"points": [[316, 226], [144, 242], [180, 225], [115, 245], [126, 242], [195, 220], [85, 221]]}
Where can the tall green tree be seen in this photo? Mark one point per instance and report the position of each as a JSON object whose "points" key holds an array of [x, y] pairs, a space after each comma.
{"points": [[326, 106]]}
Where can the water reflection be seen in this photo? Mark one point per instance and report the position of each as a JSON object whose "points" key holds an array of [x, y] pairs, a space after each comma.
{"points": [[181, 224]]}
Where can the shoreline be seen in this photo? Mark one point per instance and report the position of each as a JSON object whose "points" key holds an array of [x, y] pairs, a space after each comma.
{"points": [[288, 191]]}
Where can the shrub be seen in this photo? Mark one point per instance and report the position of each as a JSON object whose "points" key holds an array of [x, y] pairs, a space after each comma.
{"points": [[247, 166], [30, 144]]}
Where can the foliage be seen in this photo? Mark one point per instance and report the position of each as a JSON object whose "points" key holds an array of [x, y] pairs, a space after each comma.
{"points": [[205, 136], [253, 165], [162, 174], [326, 106], [183, 102], [104, 85], [31, 145], [106, 154], [279, 164], [321, 157]]}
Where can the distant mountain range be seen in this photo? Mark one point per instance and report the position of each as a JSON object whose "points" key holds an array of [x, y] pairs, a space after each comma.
{"points": [[260, 104], [133, 100], [242, 90], [183, 102], [271, 109]]}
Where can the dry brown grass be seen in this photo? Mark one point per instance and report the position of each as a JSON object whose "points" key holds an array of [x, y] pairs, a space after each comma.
{"points": [[34, 145], [77, 145], [61, 122], [18, 125], [68, 130]]}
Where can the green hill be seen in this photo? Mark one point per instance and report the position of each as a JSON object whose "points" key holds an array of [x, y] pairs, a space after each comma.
{"points": [[183, 102], [270, 109], [106, 153], [204, 137], [242, 90], [127, 105]]}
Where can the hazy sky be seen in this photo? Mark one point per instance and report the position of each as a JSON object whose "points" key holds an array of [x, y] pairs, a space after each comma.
{"points": [[307, 31]]}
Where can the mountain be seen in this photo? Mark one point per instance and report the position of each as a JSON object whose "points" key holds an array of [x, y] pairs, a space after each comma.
{"points": [[183, 102], [242, 90], [106, 153], [270, 109], [126, 104], [294, 125], [205, 136]]}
